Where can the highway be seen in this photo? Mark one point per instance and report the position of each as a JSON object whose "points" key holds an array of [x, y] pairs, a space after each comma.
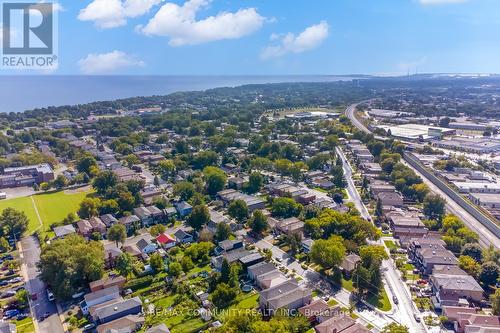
{"points": [[486, 237]]}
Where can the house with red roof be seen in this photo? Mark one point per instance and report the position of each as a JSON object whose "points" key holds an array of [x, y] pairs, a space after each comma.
{"points": [[165, 240]]}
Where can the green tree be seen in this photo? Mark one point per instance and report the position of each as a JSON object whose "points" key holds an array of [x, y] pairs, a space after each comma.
{"points": [[125, 264], [222, 231], [185, 190], [199, 217], [174, 269], [156, 262], [258, 222], [45, 186], [255, 182], [4, 245], [85, 163], [328, 253], [238, 209], [489, 273], [104, 180], [60, 182], [215, 179], [13, 222], [117, 233], [434, 206], [223, 295], [167, 168], [225, 271], [469, 265], [157, 229], [89, 207], [473, 250], [187, 264], [394, 328], [69, 264], [285, 207], [495, 302]]}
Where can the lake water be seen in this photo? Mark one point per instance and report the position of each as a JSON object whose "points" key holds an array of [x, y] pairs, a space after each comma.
{"points": [[22, 92]]}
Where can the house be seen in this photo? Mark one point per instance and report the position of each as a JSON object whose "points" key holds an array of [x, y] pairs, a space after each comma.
{"points": [[335, 324], [371, 169], [287, 295], [290, 226], [146, 246], [148, 215], [349, 263], [129, 222], [252, 202], [182, 236], [170, 212], [377, 187], [473, 322], [306, 245], [64, 231], [216, 218], [236, 182], [99, 296], [251, 259], [84, 228], [111, 254], [258, 269], [183, 208], [356, 328], [108, 282], [452, 313], [162, 328], [318, 311], [450, 288], [108, 220], [129, 323], [228, 245], [110, 311], [429, 256], [165, 240], [97, 225], [390, 199], [231, 256]]}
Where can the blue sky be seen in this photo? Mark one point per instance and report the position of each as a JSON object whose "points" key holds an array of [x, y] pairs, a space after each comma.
{"points": [[271, 37]]}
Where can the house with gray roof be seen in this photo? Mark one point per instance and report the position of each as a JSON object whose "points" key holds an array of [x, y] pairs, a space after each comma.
{"points": [[287, 295]]}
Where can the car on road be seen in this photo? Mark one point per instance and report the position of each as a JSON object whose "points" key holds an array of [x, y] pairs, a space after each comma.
{"points": [[417, 317], [395, 300], [50, 296], [88, 327]]}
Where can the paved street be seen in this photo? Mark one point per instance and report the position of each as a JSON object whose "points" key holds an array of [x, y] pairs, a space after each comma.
{"points": [[314, 280], [402, 312], [31, 254]]}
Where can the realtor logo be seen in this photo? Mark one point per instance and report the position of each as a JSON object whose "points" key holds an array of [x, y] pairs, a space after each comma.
{"points": [[28, 35]]}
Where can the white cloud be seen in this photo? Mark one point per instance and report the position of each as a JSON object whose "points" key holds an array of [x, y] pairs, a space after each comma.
{"points": [[108, 62], [440, 2], [309, 39], [180, 25], [114, 13]]}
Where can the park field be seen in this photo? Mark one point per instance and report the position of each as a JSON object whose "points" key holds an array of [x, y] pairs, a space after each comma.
{"points": [[52, 207]]}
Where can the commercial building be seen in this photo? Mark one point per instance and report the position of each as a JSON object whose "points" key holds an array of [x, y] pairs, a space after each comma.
{"points": [[26, 175], [476, 145]]}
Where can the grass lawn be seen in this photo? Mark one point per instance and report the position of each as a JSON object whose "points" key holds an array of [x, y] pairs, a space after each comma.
{"points": [[347, 284], [381, 302], [25, 325], [320, 190], [52, 207], [23, 204], [390, 245], [332, 302], [243, 302]]}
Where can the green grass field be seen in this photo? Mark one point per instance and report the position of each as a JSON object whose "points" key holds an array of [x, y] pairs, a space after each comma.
{"points": [[52, 207]]}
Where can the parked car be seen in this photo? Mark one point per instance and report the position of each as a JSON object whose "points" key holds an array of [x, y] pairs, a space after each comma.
{"points": [[50, 296], [88, 327], [395, 300], [8, 293], [11, 313], [16, 280], [417, 317]]}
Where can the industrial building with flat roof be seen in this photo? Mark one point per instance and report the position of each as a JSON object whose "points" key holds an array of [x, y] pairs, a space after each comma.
{"points": [[416, 132], [478, 145]]}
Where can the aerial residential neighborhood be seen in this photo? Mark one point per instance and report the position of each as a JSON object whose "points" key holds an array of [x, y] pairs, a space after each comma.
{"points": [[186, 229]]}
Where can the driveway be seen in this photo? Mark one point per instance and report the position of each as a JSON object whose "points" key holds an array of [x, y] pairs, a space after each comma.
{"points": [[30, 252]]}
